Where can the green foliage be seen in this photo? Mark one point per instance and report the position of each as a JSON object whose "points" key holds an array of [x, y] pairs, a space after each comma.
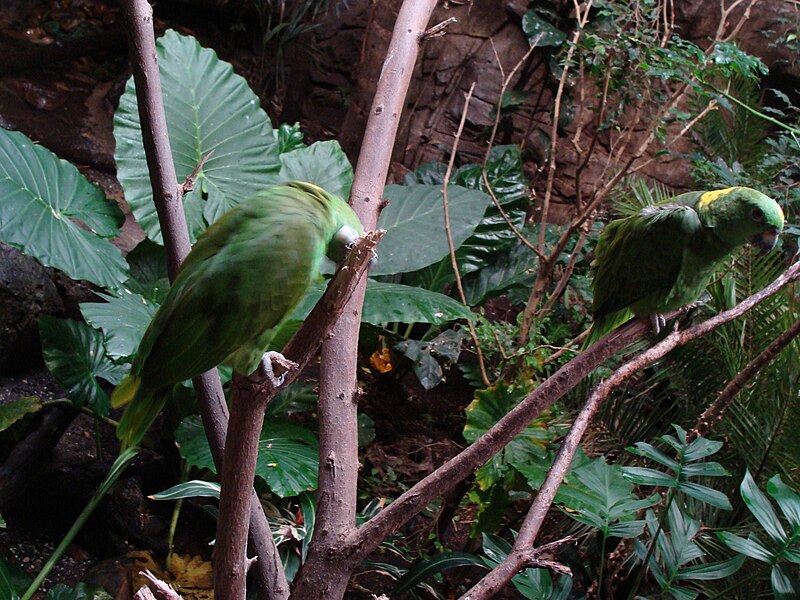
{"points": [[76, 357], [540, 31], [122, 320], [688, 463], [81, 591], [45, 202], [492, 236], [13, 411], [322, 163], [434, 565], [598, 495], [415, 229], [13, 581], [534, 584], [780, 551], [287, 454], [507, 469], [676, 553], [422, 355]]}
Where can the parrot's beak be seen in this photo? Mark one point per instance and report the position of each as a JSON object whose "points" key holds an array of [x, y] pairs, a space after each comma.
{"points": [[766, 240]]}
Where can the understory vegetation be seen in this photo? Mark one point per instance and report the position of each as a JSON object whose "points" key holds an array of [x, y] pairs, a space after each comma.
{"points": [[476, 306]]}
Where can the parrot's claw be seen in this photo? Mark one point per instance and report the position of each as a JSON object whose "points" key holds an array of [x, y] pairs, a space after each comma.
{"points": [[657, 322], [267, 368]]}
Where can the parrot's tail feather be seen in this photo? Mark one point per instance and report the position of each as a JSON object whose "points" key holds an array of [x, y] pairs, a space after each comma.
{"points": [[126, 391], [606, 324], [139, 415]]}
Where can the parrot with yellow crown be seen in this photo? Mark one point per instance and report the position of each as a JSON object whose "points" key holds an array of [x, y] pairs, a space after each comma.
{"points": [[663, 257]]}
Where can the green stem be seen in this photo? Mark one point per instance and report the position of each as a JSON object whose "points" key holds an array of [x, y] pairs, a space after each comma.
{"points": [[85, 410], [116, 470], [173, 524], [752, 110], [661, 519], [602, 566]]}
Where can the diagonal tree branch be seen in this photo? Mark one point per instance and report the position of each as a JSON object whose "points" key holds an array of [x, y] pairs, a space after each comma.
{"points": [[520, 554]]}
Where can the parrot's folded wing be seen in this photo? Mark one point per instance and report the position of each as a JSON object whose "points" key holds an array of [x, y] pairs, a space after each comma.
{"points": [[639, 258]]}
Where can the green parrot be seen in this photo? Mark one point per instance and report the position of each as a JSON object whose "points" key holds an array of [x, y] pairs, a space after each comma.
{"points": [[663, 257], [244, 275]]}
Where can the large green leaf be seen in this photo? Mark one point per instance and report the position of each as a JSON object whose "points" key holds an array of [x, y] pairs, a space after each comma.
{"points": [[197, 488], [287, 454], [541, 32], [511, 269], [322, 163], [149, 277], [76, 357], [414, 223], [762, 509], [529, 446], [123, 321], [208, 107], [393, 302], [788, 500], [11, 412], [43, 199], [598, 495]]}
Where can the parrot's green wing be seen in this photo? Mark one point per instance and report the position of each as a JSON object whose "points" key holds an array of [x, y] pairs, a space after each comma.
{"points": [[638, 259], [269, 274]]}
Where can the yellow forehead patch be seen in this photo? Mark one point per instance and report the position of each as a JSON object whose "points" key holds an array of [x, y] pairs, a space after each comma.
{"points": [[709, 197]]}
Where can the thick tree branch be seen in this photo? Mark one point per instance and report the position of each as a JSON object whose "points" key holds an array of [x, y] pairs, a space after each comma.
{"points": [[323, 575], [442, 479], [167, 193], [250, 398], [496, 579]]}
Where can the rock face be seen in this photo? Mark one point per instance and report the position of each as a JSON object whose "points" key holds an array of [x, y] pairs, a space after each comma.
{"points": [[351, 45], [26, 291]]}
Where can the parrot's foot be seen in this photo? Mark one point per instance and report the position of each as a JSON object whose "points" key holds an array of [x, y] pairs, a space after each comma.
{"points": [[657, 322], [273, 367]]}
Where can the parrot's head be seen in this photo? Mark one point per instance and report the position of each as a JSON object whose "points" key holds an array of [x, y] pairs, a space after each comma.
{"points": [[742, 215], [342, 223]]}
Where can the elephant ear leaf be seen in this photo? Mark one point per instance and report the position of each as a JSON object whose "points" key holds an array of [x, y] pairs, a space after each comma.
{"points": [[208, 108], [50, 211]]}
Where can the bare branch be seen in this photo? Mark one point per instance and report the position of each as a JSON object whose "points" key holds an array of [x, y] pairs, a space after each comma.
{"points": [[447, 231], [437, 30], [502, 574], [188, 183], [324, 574]]}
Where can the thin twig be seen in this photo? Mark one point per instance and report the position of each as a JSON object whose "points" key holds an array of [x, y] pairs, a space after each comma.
{"points": [[188, 183], [437, 30], [551, 169], [714, 413], [566, 275], [450, 245]]}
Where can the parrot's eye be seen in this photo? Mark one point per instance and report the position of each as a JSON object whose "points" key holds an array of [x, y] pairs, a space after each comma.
{"points": [[757, 214]]}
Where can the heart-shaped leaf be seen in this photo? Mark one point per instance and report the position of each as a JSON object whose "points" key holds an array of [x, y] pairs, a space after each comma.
{"points": [[208, 107], [44, 198]]}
